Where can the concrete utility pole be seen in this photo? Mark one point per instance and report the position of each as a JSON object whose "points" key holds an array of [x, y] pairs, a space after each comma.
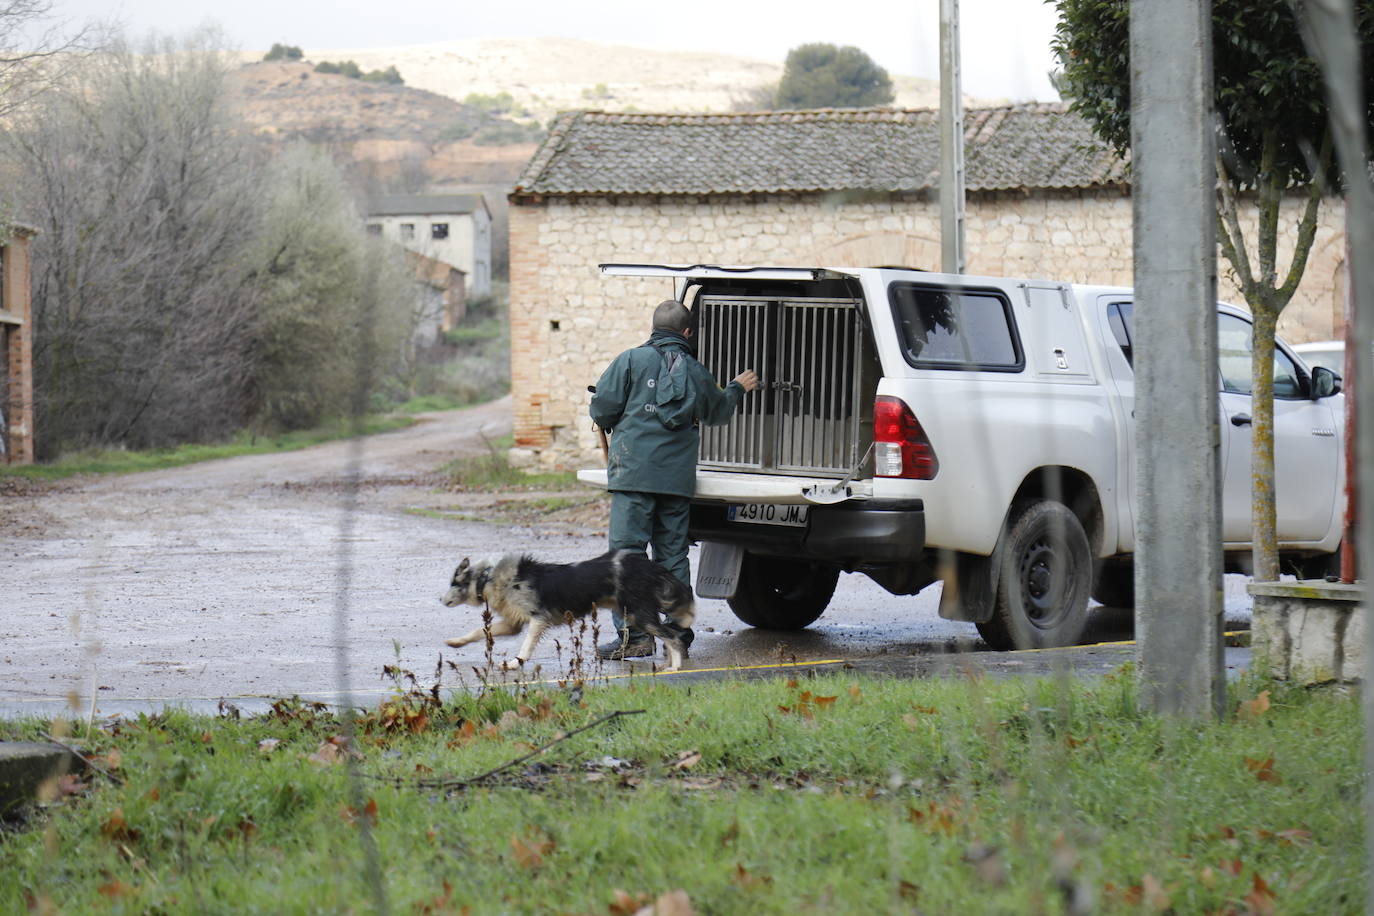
{"points": [[1331, 35], [1178, 437], [951, 142]]}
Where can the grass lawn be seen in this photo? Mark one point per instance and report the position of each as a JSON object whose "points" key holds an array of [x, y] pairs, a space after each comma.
{"points": [[828, 795], [124, 461], [492, 472]]}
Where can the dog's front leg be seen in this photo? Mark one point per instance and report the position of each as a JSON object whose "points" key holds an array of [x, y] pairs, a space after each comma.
{"points": [[532, 635], [499, 627]]}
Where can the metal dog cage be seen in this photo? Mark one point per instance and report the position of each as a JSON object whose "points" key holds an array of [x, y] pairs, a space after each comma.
{"points": [[813, 411]]}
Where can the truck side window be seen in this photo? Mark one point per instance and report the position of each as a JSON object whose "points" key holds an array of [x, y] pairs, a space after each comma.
{"points": [[1119, 320], [1234, 349], [955, 328]]}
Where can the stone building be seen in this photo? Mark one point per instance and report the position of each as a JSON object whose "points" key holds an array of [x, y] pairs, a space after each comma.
{"points": [[16, 350], [835, 188], [452, 228], [441, 298]]}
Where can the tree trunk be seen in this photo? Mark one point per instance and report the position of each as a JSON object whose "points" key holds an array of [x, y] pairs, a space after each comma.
{"points": [[1263, 519]]}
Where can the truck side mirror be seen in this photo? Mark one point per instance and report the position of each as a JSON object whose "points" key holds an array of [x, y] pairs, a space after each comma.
{"points": [[1324, 383]]}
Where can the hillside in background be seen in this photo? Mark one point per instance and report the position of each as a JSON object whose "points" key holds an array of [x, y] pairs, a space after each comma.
{"points": [[548, 75], [399, 137], [435, 132]]}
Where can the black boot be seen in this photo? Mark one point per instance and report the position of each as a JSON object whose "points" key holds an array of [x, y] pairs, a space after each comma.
{"points": [[630, 645]]}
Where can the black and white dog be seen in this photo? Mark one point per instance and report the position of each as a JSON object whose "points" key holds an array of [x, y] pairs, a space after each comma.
{"points": [[521, 590]]}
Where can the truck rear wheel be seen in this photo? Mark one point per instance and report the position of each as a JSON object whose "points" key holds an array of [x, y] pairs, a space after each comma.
{"points": [[781, 593], [1043, 583]]}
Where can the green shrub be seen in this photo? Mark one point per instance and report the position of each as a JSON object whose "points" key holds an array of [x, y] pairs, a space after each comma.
{"points": [[346, 68], [284, 52], [501, 103], [390, 76]]}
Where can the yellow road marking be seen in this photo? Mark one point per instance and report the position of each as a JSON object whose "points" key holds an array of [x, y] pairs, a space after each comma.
{"points": [[661, 673], [1122, 642]]}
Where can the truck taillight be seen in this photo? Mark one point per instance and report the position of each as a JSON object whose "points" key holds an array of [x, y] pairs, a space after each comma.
{"points": [[900, 446]]}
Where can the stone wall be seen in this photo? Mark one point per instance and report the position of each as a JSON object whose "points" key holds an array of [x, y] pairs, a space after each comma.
{"points": [[16, 336], [567, 321]]}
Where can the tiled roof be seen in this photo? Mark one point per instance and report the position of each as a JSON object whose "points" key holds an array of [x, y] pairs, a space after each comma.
{"points": [[862, 149], [424, 204]]}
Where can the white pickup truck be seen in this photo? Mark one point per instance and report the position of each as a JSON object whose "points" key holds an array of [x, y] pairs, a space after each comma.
{"points": [[920, 427]]}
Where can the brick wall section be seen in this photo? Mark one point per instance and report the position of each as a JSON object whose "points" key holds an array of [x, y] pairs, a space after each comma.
{"points": [[567, 321], [15, 299]]}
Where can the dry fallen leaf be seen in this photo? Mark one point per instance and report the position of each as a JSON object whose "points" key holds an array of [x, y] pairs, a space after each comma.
{"points": [[463, 734], [268, 745], [116, 828], [326, 755], [352, 815], [673, 903], [686, 760], [1294, 837], [115, 889], [530, 852], [744, 878], [1253, 709], [623, 904], [334, 751], [731, 834], [1260, 900], [1263, 769], [70, 784]]}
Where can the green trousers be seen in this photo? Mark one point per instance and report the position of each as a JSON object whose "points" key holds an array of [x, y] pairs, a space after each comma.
{"points": [[642, 520]]}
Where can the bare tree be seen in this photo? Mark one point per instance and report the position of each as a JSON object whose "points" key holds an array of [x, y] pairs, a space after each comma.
{"points": [[37, 49], [145, 195]]}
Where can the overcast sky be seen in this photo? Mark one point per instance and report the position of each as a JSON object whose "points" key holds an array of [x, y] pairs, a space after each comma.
{"points": [[1005, 42]]}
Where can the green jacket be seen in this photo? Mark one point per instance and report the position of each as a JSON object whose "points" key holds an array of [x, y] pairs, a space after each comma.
{"points": [[651, 398]]}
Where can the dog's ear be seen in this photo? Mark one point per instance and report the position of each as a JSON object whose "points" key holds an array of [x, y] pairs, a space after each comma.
{"points": [[463, 565]]}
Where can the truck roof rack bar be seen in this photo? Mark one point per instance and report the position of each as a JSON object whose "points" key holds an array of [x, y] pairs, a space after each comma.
{"points": [[714, 271]]}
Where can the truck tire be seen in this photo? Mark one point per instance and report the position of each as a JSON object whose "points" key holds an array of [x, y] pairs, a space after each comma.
{"points": [[780, 593], [1042, 587], [1116, 585]]}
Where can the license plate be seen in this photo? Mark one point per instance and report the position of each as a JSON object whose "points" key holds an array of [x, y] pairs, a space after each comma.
{"points": [[769, 514]]}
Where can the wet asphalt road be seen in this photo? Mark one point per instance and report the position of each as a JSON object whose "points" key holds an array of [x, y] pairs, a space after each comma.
{"points": [[265, 576]]}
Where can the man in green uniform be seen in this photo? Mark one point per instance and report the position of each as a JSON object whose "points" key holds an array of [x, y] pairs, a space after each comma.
{"points": [[651, 399]]}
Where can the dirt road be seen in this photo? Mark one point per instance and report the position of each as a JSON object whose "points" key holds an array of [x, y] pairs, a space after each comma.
{"points": [[269, 575]]}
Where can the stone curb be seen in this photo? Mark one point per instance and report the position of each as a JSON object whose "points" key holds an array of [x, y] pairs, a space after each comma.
{"points": [[26, 765]]}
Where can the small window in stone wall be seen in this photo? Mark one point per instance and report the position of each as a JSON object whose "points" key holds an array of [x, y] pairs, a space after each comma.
{"points": [[554, 325], [374, 228], [438, 230], [407, 230]]}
